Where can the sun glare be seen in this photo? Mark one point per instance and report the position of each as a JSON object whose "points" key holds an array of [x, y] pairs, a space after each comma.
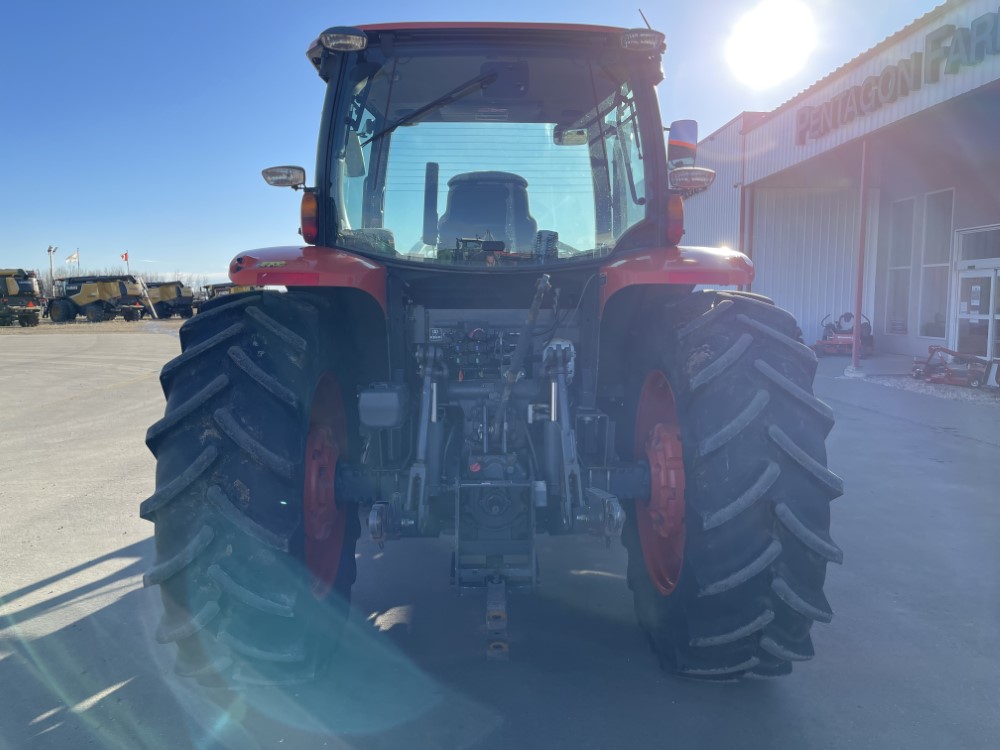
{"points": [[771, 43]]}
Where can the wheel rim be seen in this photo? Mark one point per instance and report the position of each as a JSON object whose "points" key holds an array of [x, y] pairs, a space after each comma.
{"points": [[660, 522], [324, 521]]}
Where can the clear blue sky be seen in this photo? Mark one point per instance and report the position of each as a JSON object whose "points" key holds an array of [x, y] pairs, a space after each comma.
{"points": [[142, 126]]}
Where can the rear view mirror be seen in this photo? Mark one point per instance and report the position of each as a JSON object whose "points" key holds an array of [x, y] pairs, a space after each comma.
{"points": [[569, 136], [682, 144]]}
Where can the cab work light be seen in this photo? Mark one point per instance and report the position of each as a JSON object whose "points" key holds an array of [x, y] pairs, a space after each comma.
{"points": [[693, 179], [293, 177], [343, 39], [644, 40]]}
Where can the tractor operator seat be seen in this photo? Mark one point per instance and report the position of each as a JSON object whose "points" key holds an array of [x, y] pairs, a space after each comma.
{"points": [[488, 202]]}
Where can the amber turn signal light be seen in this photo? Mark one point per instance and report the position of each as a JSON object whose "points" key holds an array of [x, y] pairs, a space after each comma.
{"points": [[675, 219], [310, 208]]}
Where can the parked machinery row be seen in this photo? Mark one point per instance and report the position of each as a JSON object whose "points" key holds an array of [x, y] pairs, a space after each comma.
{"points": [[100, 298]]}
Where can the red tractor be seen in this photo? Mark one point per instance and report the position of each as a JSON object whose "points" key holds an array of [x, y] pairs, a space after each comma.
{"points": [[491, 331]]}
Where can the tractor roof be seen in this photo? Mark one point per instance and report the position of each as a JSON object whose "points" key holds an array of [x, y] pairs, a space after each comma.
{"points": [[85, 279], [13, 272], [452, 30], [490, 25]]}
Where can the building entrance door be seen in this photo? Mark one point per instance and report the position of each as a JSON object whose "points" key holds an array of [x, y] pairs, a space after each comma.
{"points": [[978, 319], [977, 313]]}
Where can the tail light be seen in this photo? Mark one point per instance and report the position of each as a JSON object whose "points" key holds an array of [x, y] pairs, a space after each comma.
{"points": [[675, 219], [310, 209]]}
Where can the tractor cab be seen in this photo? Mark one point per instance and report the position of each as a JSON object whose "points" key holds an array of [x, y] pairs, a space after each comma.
{"points": [[545, 144]]}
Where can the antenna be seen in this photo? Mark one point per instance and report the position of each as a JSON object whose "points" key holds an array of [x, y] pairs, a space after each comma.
{"points": [[644, 19]]}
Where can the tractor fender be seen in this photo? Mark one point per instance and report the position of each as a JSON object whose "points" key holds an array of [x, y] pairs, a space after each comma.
{"points": [[309, 265], [675, 265]]}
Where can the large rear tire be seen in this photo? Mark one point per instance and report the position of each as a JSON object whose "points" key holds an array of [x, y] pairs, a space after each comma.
{"points": [[732, 588], [254, 559]]}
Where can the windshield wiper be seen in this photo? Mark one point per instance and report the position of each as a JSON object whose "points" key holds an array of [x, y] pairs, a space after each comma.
{"points": [[459, 92]]}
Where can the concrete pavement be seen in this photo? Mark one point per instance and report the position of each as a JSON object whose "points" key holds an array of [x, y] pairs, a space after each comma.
{"points": [[909, 661]]}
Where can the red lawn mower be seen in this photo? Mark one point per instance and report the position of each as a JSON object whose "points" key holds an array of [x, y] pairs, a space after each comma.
{"points": [[951, 368], [838, 336]]}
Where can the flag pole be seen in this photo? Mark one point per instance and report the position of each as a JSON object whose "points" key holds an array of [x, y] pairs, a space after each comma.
{"points": [[52, 273]]}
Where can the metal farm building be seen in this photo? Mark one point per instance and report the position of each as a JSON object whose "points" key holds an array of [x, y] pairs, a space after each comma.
{"points": [[904, 138]]}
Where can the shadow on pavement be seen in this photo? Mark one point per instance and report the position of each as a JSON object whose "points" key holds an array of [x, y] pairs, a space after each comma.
{"points": [[72, 680], [412, 670], [80, 672]]}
